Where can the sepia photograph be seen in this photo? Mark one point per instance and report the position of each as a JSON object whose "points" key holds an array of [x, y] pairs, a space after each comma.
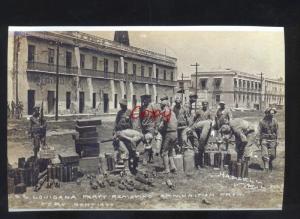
{"points": [[145, 118]]}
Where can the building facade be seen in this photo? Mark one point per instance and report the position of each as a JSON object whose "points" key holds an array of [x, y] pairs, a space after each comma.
{"points": [[238, 89], [94, 73]]}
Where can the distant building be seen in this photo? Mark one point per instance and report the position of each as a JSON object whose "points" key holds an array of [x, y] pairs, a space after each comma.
{"points": [[238, 89], [183, 88], [92, 72]]}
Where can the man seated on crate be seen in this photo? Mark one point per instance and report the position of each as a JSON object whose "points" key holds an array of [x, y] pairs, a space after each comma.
{"points": [[122, 122], [202, 130], [244, 135]]}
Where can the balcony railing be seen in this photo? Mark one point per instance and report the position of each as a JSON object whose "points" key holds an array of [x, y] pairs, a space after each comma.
{"points": [[45, 67], [51, 68]]}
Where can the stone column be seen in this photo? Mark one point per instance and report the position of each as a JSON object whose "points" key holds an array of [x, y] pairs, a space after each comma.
{"points": [[154, 93], [112, 91], [147, 89], [122, 89], [131, 93], [122, 64], [154, 71], [90, 88], [154, 86]]}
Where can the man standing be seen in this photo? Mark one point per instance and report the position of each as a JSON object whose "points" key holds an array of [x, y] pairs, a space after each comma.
{"points": [[122, 122], [37, 129], [268, 137], [192, 99], [244, 134], [223, 116], [147, 123], [13, 107], [168, 130], [203, 113], [182, 120]]}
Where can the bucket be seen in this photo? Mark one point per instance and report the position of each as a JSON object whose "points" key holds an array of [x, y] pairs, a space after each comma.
{"points": [[103, 164], [178, 160], [189, 161]]}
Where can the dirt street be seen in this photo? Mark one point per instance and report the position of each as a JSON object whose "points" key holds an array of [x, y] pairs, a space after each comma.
{"points": [[205, 189]]}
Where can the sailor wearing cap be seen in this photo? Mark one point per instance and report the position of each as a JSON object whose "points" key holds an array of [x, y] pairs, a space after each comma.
{"points": [[168, 130], [267, 136], [147, 123], [244, 135], [122, 122], [37, 129], [223, 116], [181, 114], [202, 114]]}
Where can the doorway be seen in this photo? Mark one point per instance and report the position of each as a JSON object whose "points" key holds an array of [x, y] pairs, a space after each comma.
{"points": [[31, 101], [50, 101], [134, 101], [105, 103], [81, 102]]}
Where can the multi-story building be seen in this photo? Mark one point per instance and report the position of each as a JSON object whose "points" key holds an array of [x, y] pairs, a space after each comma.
{"points": [[94, 73], [238, 89]]}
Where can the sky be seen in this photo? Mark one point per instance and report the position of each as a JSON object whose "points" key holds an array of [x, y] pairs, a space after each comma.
{"points": [[246, 51]]}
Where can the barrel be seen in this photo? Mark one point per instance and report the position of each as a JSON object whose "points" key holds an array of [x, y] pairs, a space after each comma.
{"points": [[217, 159], [189, 161], [227, 158], [178, 160], [207, 159], [233, 168], [239, 169]]}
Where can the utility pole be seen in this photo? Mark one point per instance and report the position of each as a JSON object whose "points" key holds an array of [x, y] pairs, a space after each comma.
{"points": [[196, 65], [126, 79], [57, 80], [261, 81], [182, 87], [17, 70]]}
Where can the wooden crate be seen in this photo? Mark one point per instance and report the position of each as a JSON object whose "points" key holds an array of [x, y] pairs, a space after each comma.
{"points": [[88, 122], [66, 158]]}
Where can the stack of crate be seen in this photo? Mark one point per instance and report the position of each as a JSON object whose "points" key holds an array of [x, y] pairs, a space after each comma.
{"points": [[67, 170], [25, 175], [87, 142]]}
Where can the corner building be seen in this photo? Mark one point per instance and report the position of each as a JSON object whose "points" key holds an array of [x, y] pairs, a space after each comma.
{"points": [[94, 73], [238, 89]]}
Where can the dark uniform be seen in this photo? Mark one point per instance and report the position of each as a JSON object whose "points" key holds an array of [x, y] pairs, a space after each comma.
{"points": [[181, 114], [123, 120], [168, 130], [268, 135], [223, 116], [37, 130]]}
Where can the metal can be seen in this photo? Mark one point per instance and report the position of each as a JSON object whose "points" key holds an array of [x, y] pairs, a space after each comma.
{"points": [[49, 172], [189, 161]]}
